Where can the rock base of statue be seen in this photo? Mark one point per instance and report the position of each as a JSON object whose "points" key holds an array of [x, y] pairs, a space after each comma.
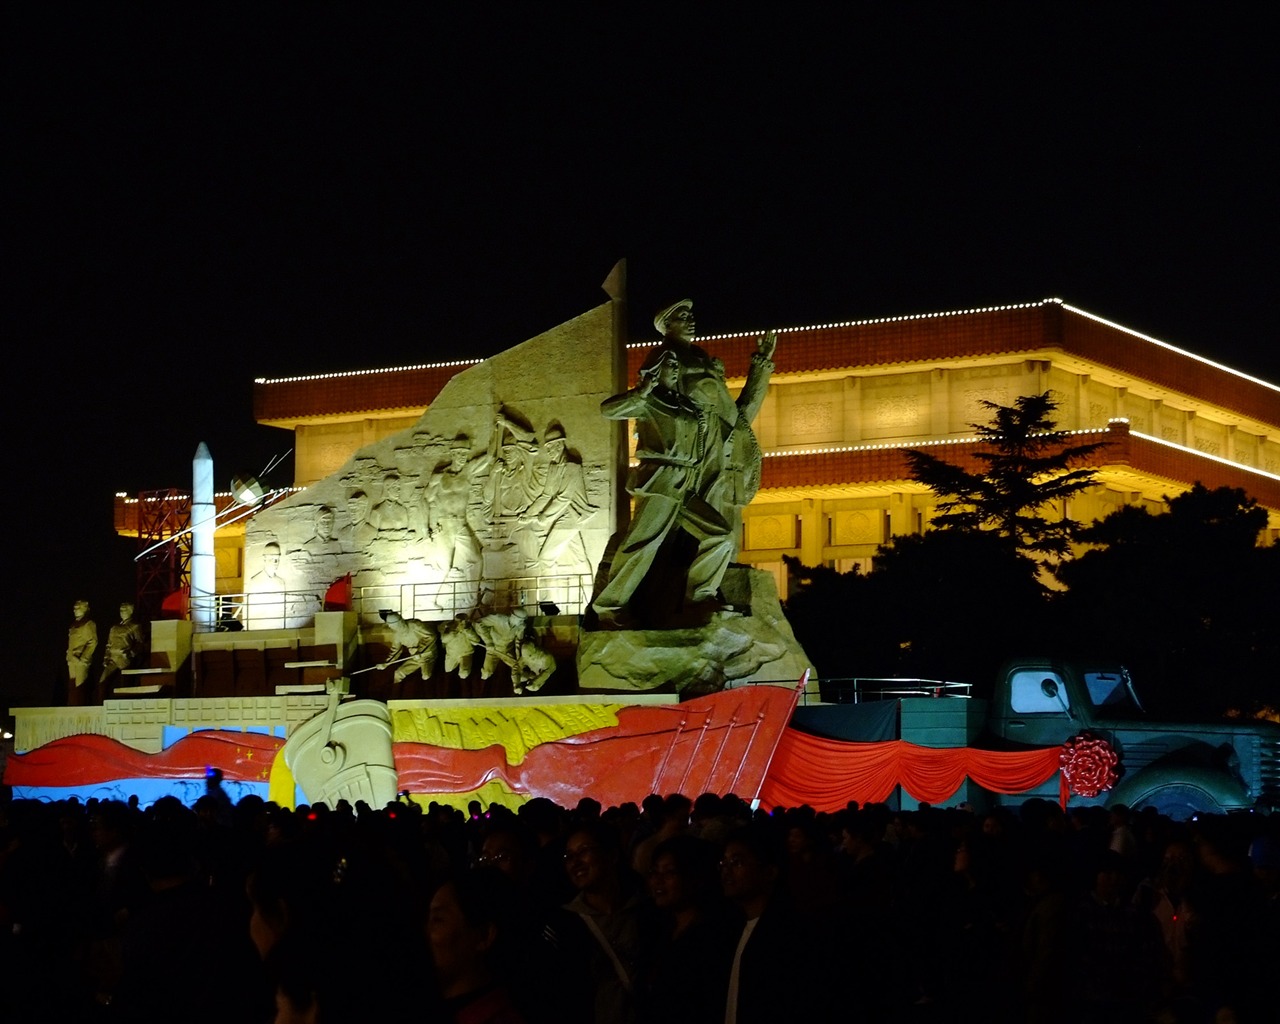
{"points": [[749, 641]]}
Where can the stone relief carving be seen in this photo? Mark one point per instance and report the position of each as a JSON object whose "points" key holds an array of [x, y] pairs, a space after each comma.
{"points": [[895, 410], [460, 526], [812, 418], [857, 528], [503, 494]]}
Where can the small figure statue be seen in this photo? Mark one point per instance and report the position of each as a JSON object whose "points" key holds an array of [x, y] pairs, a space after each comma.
{"points": [[418, 639], [533, 667], [505, 640], [460, 640], [126, 643], [500, 632], [82, 641]]}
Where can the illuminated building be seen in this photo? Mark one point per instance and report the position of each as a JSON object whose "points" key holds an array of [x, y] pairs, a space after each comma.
{"points": [[847, 398]]}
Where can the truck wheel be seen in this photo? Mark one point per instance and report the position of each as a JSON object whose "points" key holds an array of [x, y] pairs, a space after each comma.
{"points": [[1179, 802]]}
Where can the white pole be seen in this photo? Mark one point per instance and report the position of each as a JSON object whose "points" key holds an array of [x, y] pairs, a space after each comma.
{"points": [[203, 523]]}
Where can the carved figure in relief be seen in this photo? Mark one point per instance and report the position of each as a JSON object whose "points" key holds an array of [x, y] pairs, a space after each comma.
{"points": [[82, 641], [390, 513], [448, 497], [265, 592], [705, 498], [558, 511], [417, 639], [460, 640], [324, 541], [512, 483], [359, 531], [126, 643]]}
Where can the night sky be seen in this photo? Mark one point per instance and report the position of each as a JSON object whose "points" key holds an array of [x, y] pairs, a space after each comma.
{"points": [[200, 197]]}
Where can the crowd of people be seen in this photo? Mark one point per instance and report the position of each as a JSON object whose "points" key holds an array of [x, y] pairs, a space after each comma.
{"points": [[675, 911]]}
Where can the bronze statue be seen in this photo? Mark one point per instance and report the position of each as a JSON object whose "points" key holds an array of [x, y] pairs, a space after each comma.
{"points": [[82, 641], [699, 461], [126, 643]]}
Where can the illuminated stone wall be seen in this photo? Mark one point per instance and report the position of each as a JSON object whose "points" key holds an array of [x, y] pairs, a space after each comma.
{"points": [[502, 494]]}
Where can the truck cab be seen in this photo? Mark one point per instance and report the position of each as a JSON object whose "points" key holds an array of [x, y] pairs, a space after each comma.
{"points": [[1178, 768]]}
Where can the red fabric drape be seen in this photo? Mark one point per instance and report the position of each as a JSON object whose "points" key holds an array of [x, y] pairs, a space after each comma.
{"points": [[827, 774]]}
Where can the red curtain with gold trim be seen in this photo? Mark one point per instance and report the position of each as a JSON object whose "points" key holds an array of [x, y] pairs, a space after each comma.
{"points": [[827, 774]]}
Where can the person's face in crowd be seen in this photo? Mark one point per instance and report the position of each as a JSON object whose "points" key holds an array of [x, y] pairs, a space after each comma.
{"points": [[126, 612], [266, 926], [585, 862], [667, 884], [457, 947], [797, 841], [743, 875], [288, 1013], [502, 851], [80, 609]]}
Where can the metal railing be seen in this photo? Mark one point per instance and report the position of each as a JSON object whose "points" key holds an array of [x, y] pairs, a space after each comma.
{"points": [[860, 689], [537, 595], [292, 609]]}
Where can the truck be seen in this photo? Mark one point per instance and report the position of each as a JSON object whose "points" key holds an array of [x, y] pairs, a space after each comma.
{"points": [[1179, 768]]}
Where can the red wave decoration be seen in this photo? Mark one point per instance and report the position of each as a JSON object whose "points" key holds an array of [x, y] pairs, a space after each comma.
{"points": [[91, 759]]}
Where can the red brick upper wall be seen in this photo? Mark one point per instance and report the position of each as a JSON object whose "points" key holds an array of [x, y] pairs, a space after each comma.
{"points": [[915, 340], [889, 465], [410, 388]]}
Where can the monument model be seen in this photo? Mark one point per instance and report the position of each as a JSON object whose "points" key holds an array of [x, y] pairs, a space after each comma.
{"points": [[614, 637]]}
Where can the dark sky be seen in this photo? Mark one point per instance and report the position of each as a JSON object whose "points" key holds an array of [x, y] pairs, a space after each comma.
{"points": [[200, 197]]}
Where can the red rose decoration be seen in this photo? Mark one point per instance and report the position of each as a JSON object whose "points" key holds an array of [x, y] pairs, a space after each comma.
{"points": [[1088, 764]]}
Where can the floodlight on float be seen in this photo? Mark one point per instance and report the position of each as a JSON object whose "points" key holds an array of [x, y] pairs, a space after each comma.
{"points": [[247, 489]]}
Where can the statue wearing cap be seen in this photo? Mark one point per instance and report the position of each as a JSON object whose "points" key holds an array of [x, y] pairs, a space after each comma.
{"points": [[699, 461]]}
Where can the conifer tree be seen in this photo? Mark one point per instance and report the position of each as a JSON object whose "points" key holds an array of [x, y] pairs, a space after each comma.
{"points": [[1028, 466]]}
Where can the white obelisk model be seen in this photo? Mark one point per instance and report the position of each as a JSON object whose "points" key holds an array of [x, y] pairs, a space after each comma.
{"points": [[203, 568]]}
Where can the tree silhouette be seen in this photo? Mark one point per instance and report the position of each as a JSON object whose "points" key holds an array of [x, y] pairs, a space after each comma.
{"points": [[1029, 465], [1185, 598]]}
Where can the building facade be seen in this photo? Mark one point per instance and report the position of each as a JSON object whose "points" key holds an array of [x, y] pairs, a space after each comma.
{"points": [[847, 399]]}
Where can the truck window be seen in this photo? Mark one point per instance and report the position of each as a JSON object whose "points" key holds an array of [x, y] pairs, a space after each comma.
{"points": [[1105, 688], [1037, 692], [1110, 690]]}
